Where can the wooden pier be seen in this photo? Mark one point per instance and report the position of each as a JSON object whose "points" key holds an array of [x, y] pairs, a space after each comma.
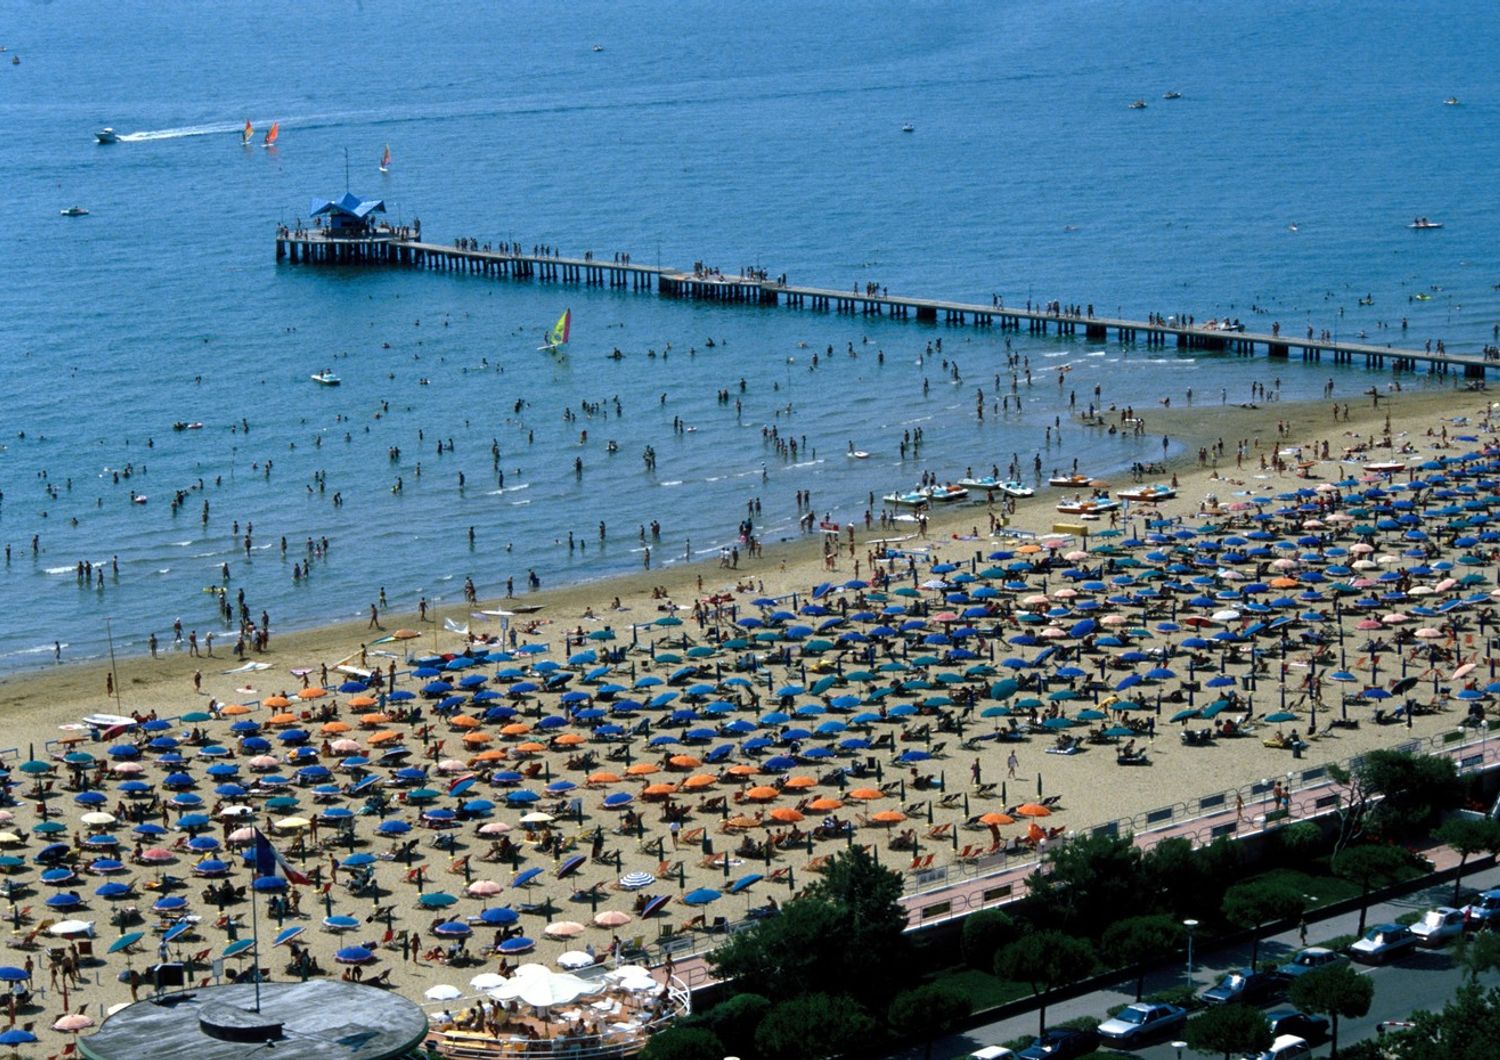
{"points": [[386, 246]]}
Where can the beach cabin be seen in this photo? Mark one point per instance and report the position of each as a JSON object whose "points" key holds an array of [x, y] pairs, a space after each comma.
{"points": [[350, 217]]}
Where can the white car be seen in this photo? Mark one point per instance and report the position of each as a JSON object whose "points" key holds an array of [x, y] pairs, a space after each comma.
{"points": [[1438, 926], [992, 1052], [1287, 1047]]}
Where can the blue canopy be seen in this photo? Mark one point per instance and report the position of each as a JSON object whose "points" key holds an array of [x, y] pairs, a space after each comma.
{"points": [[350, 206]]}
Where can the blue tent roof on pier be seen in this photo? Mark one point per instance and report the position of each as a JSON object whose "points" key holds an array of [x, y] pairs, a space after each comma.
{"points": [[349, 212]]}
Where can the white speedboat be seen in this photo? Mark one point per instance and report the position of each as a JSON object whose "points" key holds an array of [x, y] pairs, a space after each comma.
{"points": [[1451, 101], [1171, 95], [1424, 223], [107, 135], [908, 127], [1139, 104], [326, 378], [74, 211]]}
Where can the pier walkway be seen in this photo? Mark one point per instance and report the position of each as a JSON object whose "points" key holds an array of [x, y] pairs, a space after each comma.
{"points": [[389, 246]]}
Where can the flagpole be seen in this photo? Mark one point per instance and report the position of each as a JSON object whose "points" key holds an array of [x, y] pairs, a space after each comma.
{"points": [[255, 924]]}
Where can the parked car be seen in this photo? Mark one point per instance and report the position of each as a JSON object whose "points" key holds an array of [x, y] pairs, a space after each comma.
{"points": [[1439, 926], [1244, 984], [1383, 942], [1141, 1022], [1290, 1021], [1310, 960], [1484, 910], [1060, 1043], [1286, 1047], [992, 1052]]}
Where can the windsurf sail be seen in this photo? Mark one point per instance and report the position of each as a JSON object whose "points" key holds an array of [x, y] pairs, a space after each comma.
{"points": [[385, 159], [248, 134], [273, 132], [558, 336]]}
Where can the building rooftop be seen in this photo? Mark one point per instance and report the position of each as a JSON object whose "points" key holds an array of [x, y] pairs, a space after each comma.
{"points": [[316, 1020]]}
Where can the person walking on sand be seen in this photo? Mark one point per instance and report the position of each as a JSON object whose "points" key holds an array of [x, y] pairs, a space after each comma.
{"points": [[374, 617], [1011, 764]]}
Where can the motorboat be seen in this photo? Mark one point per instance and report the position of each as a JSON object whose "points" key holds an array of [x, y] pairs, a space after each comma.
{"points": [[1451, 101], [1424, 223], [990, 484], [326, 378], [1171, 95], [908, 127], [74, 211], [1147, 494], [1139, 104], [1070, 481], [107, 135], [909, 499]]}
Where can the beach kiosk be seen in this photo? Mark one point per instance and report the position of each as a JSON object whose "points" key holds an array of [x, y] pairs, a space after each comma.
{"points": [[350, 217]]}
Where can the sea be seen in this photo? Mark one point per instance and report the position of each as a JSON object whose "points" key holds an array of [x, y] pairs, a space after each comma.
{"points": [[1278, 187]]}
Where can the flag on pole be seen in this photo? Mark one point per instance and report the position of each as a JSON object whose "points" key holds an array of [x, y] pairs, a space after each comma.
{"points": [[270, 862]]}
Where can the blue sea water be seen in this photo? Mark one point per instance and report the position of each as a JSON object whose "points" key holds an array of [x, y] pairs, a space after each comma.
{"points": [[1277, 188]]}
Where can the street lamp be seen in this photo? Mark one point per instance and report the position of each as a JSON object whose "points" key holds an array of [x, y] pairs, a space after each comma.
{"points": [[1179, 1046], [1190, 924]]}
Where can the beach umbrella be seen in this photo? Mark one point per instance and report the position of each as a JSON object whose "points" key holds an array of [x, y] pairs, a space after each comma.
{"points": [[453, 929], [73, 1023], [701, 896], [442, 992], [612, 918], [498, 916], [634, 881], [353, 955]]}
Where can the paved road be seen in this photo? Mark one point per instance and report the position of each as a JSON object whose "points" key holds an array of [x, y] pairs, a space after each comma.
{"points": [[1424, 980]]}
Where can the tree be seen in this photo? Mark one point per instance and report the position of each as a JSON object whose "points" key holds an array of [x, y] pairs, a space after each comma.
{"points": [[683, 1043], [1369, 865], [1139, 942], [1257, 903], [928, 1012], [1084, 882], [1334, 991], [1478, 953], [1393, 792], [868, 896], [788, 954], [985, 932], [733, 1020], [1466, 1029], [1045, 960], [1468, 836], [1229, 1029], [814, 1026]]}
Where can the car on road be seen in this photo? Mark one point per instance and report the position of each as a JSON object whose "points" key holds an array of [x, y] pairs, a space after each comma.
{"points": [[1310, 960], [1060, 1043], [1290, 1021], [1243, 984], [1141, 1022], [1286, 1047], [1484, 910], [992, 1052], [1439, 926], [1383, 942]]}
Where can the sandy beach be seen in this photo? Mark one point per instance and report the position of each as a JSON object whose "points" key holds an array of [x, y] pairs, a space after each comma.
{"points": [[655, 628]]}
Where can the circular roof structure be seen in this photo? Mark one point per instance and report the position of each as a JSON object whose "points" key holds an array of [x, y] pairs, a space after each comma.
{"points": [[316, 1020]]}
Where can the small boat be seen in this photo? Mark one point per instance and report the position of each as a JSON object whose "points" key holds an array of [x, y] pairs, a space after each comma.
{"points": [[947, 493], [598, 47], [1367, 300], [1171, 95], [107, 135], [184, 425], [1422, 296], [908, 127], [326, 378], [911, 499], [247, 134], [1424, 223], [1088, 505], [1147, 494], [385, 160], [558, 337], [1451, 101], [1139, 104], [858, 454], [1070, 481], [74, 211], [990, 484], [271, 134], [1385, 467]]}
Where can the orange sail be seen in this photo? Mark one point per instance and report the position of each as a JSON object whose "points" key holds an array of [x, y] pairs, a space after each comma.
{"points": [[273, 132], [385, 159], [249, 133]]}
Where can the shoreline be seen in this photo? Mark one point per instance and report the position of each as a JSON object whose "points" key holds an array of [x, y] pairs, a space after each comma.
{"points": [[777, 571]]}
